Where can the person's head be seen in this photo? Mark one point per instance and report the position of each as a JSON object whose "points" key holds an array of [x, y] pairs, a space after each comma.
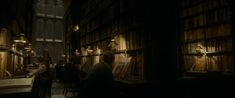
{"points": [[40, 59], [108, 57]]}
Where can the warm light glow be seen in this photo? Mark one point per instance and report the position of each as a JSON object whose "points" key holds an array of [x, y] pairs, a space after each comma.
{"points": [[58, 40], [3, 63], [113, 44], [98, 51], [97, 57], [59, 17], [28, 47], [48, 40], [13, 47], [20, 39], [76, 52], [204, 62], [39, 39], [201, 49], [63, 55], [90, 51], [3, 34], [122, 42], [76, 28]]}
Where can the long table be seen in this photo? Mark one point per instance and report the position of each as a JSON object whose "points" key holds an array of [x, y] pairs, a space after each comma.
{"points": [[18, 86]]}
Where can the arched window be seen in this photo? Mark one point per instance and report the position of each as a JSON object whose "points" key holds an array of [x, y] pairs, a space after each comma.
{"points": [[40, 7], [50, 8], [39, 30], [59, 30], [59, 9], [49, 29]]}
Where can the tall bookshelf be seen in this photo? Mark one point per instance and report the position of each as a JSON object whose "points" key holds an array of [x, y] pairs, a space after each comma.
{"points": [[115, 25], [207, 43]]}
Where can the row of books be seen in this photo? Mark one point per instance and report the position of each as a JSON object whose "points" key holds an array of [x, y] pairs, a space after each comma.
{"points": [[206, 35], [107, 31], [205, 64], [212, 17], [125, 66], [220, 45], [134, 40], [115, 26], [106, 25], [129, 67], [218, 31], [115, 29], [107, 16], [137, 68], [121, 66], [101, 45], [212, 46], [121, 42], [131, 40], [209, 32]]}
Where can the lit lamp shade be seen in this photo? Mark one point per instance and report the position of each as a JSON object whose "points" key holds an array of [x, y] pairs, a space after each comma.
{"points": [[28, 47], [20, 39]]}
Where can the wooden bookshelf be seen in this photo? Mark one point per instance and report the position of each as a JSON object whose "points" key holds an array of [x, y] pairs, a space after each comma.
{"points": [[115, 25], [207, 36]]}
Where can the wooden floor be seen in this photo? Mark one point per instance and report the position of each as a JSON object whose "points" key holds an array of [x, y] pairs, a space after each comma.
{"points": [[57, 91]]}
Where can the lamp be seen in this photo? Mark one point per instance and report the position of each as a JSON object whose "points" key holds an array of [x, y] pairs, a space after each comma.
{"points": [[28, 47], [76, 52], [29, 50], [89, 50], [76, 28], [20, 39], [113, 43]]}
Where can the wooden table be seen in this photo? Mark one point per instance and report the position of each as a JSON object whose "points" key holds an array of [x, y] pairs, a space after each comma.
{"points": [[15, 87]]}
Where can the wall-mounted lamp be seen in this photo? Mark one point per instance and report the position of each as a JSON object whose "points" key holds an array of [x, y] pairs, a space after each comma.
{"points": [[76, 28], [113, 44], [76, 52], [89, 50], [20, 41], [200, 49]]}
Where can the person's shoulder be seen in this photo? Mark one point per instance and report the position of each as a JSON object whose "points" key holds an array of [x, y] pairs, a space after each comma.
{"points": [[100, 66], [97, 66]]}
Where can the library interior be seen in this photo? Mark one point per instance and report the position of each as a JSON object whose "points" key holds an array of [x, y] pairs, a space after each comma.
{"points": [[117, 48]]}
